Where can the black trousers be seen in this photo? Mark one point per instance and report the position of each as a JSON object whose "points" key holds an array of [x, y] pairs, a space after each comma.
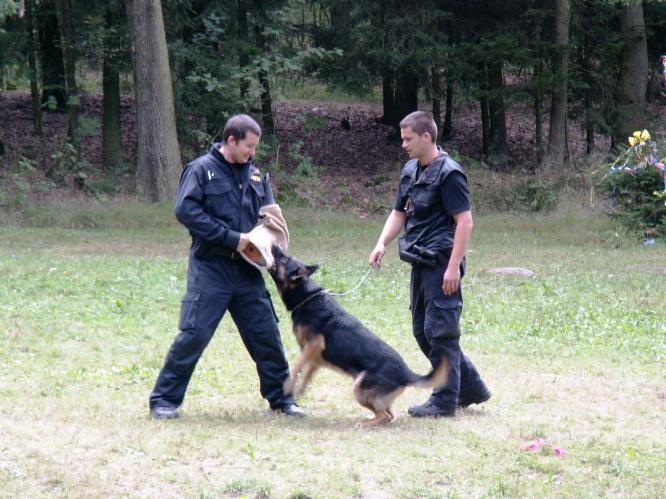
{"points": [[436, 326], [213, 287]]}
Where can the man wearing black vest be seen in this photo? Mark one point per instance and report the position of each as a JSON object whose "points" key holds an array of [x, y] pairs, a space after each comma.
{"points": [[433, 207]]}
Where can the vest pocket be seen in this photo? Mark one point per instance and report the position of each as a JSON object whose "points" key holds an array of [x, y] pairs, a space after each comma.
{"points": [[423, 197]]}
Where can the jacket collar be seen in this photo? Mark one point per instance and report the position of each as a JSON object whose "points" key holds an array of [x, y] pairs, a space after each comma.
{"points": [[215, 152]]}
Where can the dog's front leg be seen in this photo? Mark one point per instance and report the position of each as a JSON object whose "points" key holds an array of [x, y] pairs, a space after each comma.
{"points": [[310, 355], [310, 369], [288, 386]]}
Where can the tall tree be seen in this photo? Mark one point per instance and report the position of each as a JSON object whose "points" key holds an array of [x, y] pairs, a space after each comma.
{"points": [[69, 51], [633, 72], [52, 59], [406, 92], [447, 129], [557, 139], [244, 48], [266, 100], [32, 65], [496, 109], [158, 162], [112, 146]]}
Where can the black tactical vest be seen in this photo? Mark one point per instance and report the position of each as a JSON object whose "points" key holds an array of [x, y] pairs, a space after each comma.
{"points": [[427, 224]]}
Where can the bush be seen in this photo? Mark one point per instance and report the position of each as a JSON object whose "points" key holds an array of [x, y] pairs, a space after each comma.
{"points": [[636, 185], [635, 202], [534, 196]]}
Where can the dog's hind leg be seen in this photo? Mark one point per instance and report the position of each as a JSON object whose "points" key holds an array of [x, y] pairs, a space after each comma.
{"points": [[380, 405], [369, 399]]}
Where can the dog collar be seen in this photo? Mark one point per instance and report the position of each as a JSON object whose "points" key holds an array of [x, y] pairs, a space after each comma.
{"points": [[320, 292]]}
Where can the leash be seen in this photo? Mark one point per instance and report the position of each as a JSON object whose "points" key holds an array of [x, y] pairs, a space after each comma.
{"points": [[327, 292], [355, 287]]}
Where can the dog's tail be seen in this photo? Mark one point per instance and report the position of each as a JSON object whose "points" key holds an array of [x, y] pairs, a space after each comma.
{"points": [[435, 377]]}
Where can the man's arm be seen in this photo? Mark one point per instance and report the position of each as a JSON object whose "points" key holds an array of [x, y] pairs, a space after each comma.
{"points": [[393, 226], [464, 225]]}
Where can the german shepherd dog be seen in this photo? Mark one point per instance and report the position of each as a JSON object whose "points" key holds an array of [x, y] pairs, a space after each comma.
{"points": [[330, 336]]}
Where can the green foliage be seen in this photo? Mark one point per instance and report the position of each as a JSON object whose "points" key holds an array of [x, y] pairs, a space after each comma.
{"points": [[15, 190], [105, 185], [219, 71], [51, 103], [258, 489], [66, 161], [8, 8], [534, 196], [304, 164], [638, 201], [314, 123], [88, 127], [635, 185]]}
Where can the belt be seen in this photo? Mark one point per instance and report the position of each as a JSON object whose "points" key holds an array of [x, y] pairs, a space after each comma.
{"points": [[223, 252]]}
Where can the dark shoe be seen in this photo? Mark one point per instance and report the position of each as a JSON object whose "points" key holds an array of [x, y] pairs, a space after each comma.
{"points": [[431, 410], [164, 412], [478, 397], [291, 410]]}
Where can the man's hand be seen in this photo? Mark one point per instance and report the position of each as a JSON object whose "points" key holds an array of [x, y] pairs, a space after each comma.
{"points": [[451, 280], [242, 243], [377, 254]]}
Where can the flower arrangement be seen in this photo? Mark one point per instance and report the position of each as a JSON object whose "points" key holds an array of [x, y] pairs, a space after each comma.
{"points": [[636, 183], [642, 152]]}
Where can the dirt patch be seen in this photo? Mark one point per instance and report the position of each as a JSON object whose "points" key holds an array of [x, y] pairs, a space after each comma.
{"points": [[355, 165]]}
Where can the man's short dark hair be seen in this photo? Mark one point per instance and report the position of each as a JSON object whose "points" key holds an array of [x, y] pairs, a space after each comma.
{"points": [[420, 122], [238, 126]]}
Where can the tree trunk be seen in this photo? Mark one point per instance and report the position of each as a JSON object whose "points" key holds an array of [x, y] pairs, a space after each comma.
{"points": [[485, 111], [159, 163], [437, 99], [70, 69], [266, 99], [557, 146], [497, 111], [589, 106], [388, 96], [32, 64], [406, 93], [243, 49], [447, 130], [538, 112], [388, 73], [112, 145], [634, 70], [53, 68]]}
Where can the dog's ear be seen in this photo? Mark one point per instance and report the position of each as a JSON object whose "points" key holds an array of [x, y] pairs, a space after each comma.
{"points": [[311, 269], [304, 271]]}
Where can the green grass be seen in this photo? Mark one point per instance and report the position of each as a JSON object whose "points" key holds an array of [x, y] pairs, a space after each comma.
{"points": [[575, 355]]}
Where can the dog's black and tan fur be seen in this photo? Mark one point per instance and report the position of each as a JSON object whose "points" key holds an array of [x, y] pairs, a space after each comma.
{"points": [[329, 336]]}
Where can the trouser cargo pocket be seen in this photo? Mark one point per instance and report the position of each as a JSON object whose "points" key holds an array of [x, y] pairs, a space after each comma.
{"points": [[188, 311]]}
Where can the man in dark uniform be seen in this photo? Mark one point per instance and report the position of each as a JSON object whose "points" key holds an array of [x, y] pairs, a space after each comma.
{"points": [[218, 201], [433, 207]]}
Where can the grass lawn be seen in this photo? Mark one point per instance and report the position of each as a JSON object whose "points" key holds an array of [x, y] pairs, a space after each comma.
{"points": [[574, 356]]}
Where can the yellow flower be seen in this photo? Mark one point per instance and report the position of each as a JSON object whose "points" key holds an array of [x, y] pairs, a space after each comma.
{"points": [[639, 137]]}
